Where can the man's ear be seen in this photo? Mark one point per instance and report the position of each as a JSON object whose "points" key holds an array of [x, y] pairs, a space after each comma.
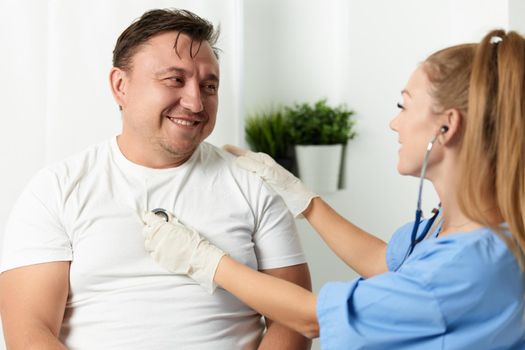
{"points": [[453, 120], [118, 84]]}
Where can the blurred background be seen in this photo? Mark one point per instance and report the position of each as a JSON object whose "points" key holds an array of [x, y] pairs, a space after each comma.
{"points": [[55, 97]]}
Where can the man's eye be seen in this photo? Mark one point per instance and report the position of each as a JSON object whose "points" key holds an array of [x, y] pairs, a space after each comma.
{"points": [[211, 88], [175, 80], [400, 106]]}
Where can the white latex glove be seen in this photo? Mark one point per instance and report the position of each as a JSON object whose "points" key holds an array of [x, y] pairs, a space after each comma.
{"points": [[181, 250], [295, 194]]}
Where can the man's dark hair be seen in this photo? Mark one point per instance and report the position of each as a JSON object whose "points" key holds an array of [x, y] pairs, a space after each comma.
{"points": [[162, 20]]}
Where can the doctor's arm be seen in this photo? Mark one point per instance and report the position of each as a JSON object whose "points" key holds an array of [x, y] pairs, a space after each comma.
{"points": [[275, 298], [277, 335], [362, 251], [32, 304], [180, 249]]}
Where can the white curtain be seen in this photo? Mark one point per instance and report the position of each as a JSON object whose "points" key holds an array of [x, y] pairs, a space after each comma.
{"points": [[54, 92], [55, 96]]}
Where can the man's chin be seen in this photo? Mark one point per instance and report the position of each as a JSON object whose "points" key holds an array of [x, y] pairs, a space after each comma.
{"points": [[180, 151]]}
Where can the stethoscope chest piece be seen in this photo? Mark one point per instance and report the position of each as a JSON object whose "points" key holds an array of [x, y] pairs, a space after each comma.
{"points": [[162, 213]]}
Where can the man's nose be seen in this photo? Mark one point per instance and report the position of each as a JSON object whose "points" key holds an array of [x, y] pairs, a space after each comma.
{"points": [[191, 97]]}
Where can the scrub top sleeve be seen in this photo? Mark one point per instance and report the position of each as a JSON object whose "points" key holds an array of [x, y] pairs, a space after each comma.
{"points": [[389, 311], [34, 233], [398, 246]]}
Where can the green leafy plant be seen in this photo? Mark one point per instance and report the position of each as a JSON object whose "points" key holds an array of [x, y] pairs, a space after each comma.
{"points": [[320, 124], [268, 132]]}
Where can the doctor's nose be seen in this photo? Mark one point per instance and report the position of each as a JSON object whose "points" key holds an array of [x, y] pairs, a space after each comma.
{"points": [[393, 123], [191, 98]]}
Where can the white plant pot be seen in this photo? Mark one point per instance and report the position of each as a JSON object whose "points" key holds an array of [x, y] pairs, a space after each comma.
{"points": [[319, 166]]}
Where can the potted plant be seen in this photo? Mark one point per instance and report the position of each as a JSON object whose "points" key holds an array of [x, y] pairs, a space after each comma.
{"points": [[320, 134], [268, 132]]}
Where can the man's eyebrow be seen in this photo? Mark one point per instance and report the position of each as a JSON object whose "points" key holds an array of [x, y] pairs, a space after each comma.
{"points": [[170, 70], [181, 71], [211, 77]]}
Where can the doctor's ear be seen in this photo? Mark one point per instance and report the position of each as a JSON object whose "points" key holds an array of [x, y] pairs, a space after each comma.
{"points": [[451, 125], [118, 84]]}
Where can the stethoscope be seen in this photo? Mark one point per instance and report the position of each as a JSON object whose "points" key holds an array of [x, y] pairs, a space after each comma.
{"points": [[414, 237]]}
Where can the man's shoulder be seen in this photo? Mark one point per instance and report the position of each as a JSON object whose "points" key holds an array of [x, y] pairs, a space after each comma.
{"points": [[218, 159], [211, 152], [78, 163]]}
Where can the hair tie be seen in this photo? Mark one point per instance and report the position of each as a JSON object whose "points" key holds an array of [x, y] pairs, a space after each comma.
{"points": [[496, 39]]}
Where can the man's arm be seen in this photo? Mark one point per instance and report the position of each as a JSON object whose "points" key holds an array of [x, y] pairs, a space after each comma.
{"points": [[277, 335], [32, 304]]}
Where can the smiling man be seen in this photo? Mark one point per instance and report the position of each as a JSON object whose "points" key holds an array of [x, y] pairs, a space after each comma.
{"points": [[75, 272]]}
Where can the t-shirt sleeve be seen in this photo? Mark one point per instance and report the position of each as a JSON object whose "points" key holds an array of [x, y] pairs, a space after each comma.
{"points": [[389, 311], [277, 243], [34, 233]]}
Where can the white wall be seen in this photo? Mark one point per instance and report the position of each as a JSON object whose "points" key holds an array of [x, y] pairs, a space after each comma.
{"points": [[55, 98], [516, 15], [360, 53]]}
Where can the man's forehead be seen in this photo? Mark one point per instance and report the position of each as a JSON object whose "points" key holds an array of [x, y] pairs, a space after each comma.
{"points": [[181, 43], [161, 49]]}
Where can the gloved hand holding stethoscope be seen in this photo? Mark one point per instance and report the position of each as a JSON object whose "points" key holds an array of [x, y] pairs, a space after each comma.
{"points": [[180, 249]]}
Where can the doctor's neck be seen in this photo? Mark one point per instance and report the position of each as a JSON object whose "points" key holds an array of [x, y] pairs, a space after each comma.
{"points": [[454, 220]]}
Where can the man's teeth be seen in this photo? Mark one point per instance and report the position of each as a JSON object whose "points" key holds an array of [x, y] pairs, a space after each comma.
{"points": [[183, 122]]}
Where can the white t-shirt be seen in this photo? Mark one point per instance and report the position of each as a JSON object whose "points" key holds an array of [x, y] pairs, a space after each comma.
{"points": [[87, 210]]}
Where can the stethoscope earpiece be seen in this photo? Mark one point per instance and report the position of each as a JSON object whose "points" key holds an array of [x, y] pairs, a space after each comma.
{"points": [[443, 129]]}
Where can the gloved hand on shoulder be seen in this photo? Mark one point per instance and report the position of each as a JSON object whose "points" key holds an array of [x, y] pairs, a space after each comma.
{"points": [[295, 194], [181, 250]]}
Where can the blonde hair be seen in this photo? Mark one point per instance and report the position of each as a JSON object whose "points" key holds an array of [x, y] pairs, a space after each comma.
{"points": [[485, 82]]}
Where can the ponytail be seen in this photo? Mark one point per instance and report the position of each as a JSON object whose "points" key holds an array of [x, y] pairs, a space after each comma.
{"points": [[492, 160]]}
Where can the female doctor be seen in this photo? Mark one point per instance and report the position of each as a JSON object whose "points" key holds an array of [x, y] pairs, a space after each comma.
{"points": [[454, 281]]}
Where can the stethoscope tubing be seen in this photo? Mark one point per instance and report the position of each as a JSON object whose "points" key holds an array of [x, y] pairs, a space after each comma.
{"points": [[414, 238]]}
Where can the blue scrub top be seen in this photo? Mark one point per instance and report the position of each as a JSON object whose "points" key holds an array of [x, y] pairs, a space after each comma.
{"points": [[460, 291]]}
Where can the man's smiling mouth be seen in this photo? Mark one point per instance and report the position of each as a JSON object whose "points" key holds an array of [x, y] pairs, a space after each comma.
{"points": [[184, 122]]}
